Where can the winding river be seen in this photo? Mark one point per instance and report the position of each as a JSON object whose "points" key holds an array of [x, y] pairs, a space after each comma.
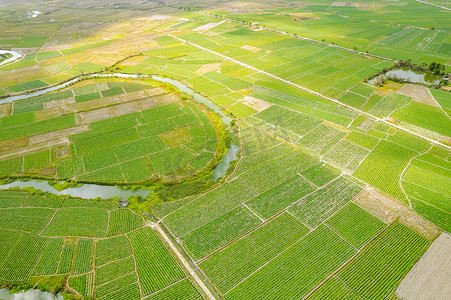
{"points": [[15, 56], [29, 295], [92, 191]]}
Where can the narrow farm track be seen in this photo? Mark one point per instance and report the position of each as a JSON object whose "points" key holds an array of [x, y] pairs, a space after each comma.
{"points": [[303, 38], [314, 93], [439, 6], [183, 260]]}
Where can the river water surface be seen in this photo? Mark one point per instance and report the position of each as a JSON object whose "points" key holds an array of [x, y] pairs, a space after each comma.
{"points": [[91, 191], [29, 295], [15, 56]]}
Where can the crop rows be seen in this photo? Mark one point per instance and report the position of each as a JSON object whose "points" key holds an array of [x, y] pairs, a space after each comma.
{"points": [[347, 154], [383, 264], [83, 256], [29, 218], [115, 285], [238, 260], [122, 221], [280, 197], [111, 249], [355, 225], [20, 262], [114, 269], [179, 291], [67, 256], [48, 263], [295, 272], [220, 231], [155, 266], [389, 159], [78, 221], [316, 207]]}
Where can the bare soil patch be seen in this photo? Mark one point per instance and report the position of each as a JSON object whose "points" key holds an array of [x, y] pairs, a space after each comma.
{"points": [[418, 93], [256, 103], [389, 210], [251, 48], [430, 277], [5, 109], [208, 68]]}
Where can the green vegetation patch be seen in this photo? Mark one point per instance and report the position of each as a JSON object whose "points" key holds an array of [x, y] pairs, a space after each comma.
{"points": [[35, 84], [281, 196], [155, 266], [389, 159], [355, 224], [238, 260], [220, 231], [319, 205], [122, 221], [298, 270], [375, 273], [78, 221]]}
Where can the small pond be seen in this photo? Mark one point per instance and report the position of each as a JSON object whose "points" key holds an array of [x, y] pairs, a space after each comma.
{"points": [[410, 75], [29, 295]]}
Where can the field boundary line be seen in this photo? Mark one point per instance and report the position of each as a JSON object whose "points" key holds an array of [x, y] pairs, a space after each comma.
{"points": [[382, 120], [50, 221], [439, 6], [404, 171], [185, 278], [253, 212], [136, 266], [182, 260], [109, 280], [199, 261], [359, 252], [339, 235], [42, 254], [266, 263], [422, 201], [303, 177], [301, 37]]}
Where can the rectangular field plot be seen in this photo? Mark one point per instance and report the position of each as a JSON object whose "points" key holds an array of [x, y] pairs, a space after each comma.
{"points": [[281, 196], [122, 221], [318, 206], [385, 156], [375, 273], [296, 271], [28, 219], [320, 174], [19, 264], [220, 231], [48, 263], [238, 260], [347, 155], [320, 139], [354, 224], [111, 249], [181, 290], [83, 256], [78, 222], [155, 266]]}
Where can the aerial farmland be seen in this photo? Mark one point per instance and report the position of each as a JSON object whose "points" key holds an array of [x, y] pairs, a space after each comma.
{"points": [[236, 150]]}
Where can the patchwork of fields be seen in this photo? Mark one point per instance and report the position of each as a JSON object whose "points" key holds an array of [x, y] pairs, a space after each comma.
{"points": [[107, 252], [110, 131], [339, 186]]}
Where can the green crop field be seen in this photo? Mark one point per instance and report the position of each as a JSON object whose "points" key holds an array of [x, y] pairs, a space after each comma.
{"points": [[249, 150]]}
